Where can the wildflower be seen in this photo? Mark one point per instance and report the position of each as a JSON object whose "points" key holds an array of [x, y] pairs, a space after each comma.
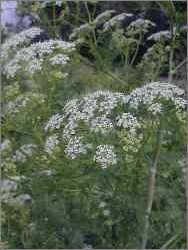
{"points": [[23, 101], [164, 34], [105, 155], [69, 129], [75, 147], [51, 143], [101, 124], [97, 112], [24, 152], [150, 92], [102, 17], [7, 186], [59, 59], [79, 31], [54, 122], [140, 25], [127, 120], [34, 56], [18, 40], [116, 20], [155, 108], [5, 145]]}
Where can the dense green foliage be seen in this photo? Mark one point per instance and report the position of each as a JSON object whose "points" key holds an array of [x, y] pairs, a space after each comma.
{"points": [[86, 123]]}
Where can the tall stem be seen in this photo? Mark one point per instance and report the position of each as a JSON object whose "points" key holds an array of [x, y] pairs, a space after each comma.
{"points": [[90, 22], [151, 191], [171, 56], [170, 76], [88, 12], [137, 49]]}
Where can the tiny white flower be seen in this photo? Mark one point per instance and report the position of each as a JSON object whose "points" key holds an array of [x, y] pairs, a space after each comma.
{"points": [[51, 143], [105, 155]]}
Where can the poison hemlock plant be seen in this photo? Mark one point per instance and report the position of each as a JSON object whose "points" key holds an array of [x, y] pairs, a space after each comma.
{"points": [[93, 146]]}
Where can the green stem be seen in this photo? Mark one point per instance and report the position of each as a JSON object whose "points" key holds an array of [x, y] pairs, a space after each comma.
{"points": [[88, 12], [137, 49], [151, 190], [115, 77], [90, 22], [170, 76], [77, 13], [180, 65], [54, 16], [171, 56]]}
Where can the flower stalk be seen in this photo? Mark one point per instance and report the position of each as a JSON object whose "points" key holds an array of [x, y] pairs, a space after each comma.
{"points": [[151, 190]]}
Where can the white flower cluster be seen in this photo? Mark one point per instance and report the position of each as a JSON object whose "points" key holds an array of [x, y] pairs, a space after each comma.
{"points": [[24, 152], [7, 189], [5, 145], [149, 53], [21, 200], [155, 108], [75, 147], [79, 31], [23, 101], [51, 143], [33, 57], [7, 186], [54, 122], [98, 104], [101, 124], [128, 121], [165, 34], [59, 59], [92, 109], [102, 17], [141, 25], [46, 3], [18, 40], [97, 112], [105, 155], [87, 28], [116, 20], [151, 92]]}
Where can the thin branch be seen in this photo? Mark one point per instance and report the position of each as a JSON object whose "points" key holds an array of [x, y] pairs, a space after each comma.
{"points": [[180, 64], [137, 49]]}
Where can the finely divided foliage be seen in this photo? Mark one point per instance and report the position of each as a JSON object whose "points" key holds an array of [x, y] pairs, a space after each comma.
{"points": [[85, 124]]}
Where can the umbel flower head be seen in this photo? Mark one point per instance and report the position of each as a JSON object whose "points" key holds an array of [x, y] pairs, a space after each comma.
{"points": [[35, 55], [19, 40], [116, 20], [103, 113]]}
